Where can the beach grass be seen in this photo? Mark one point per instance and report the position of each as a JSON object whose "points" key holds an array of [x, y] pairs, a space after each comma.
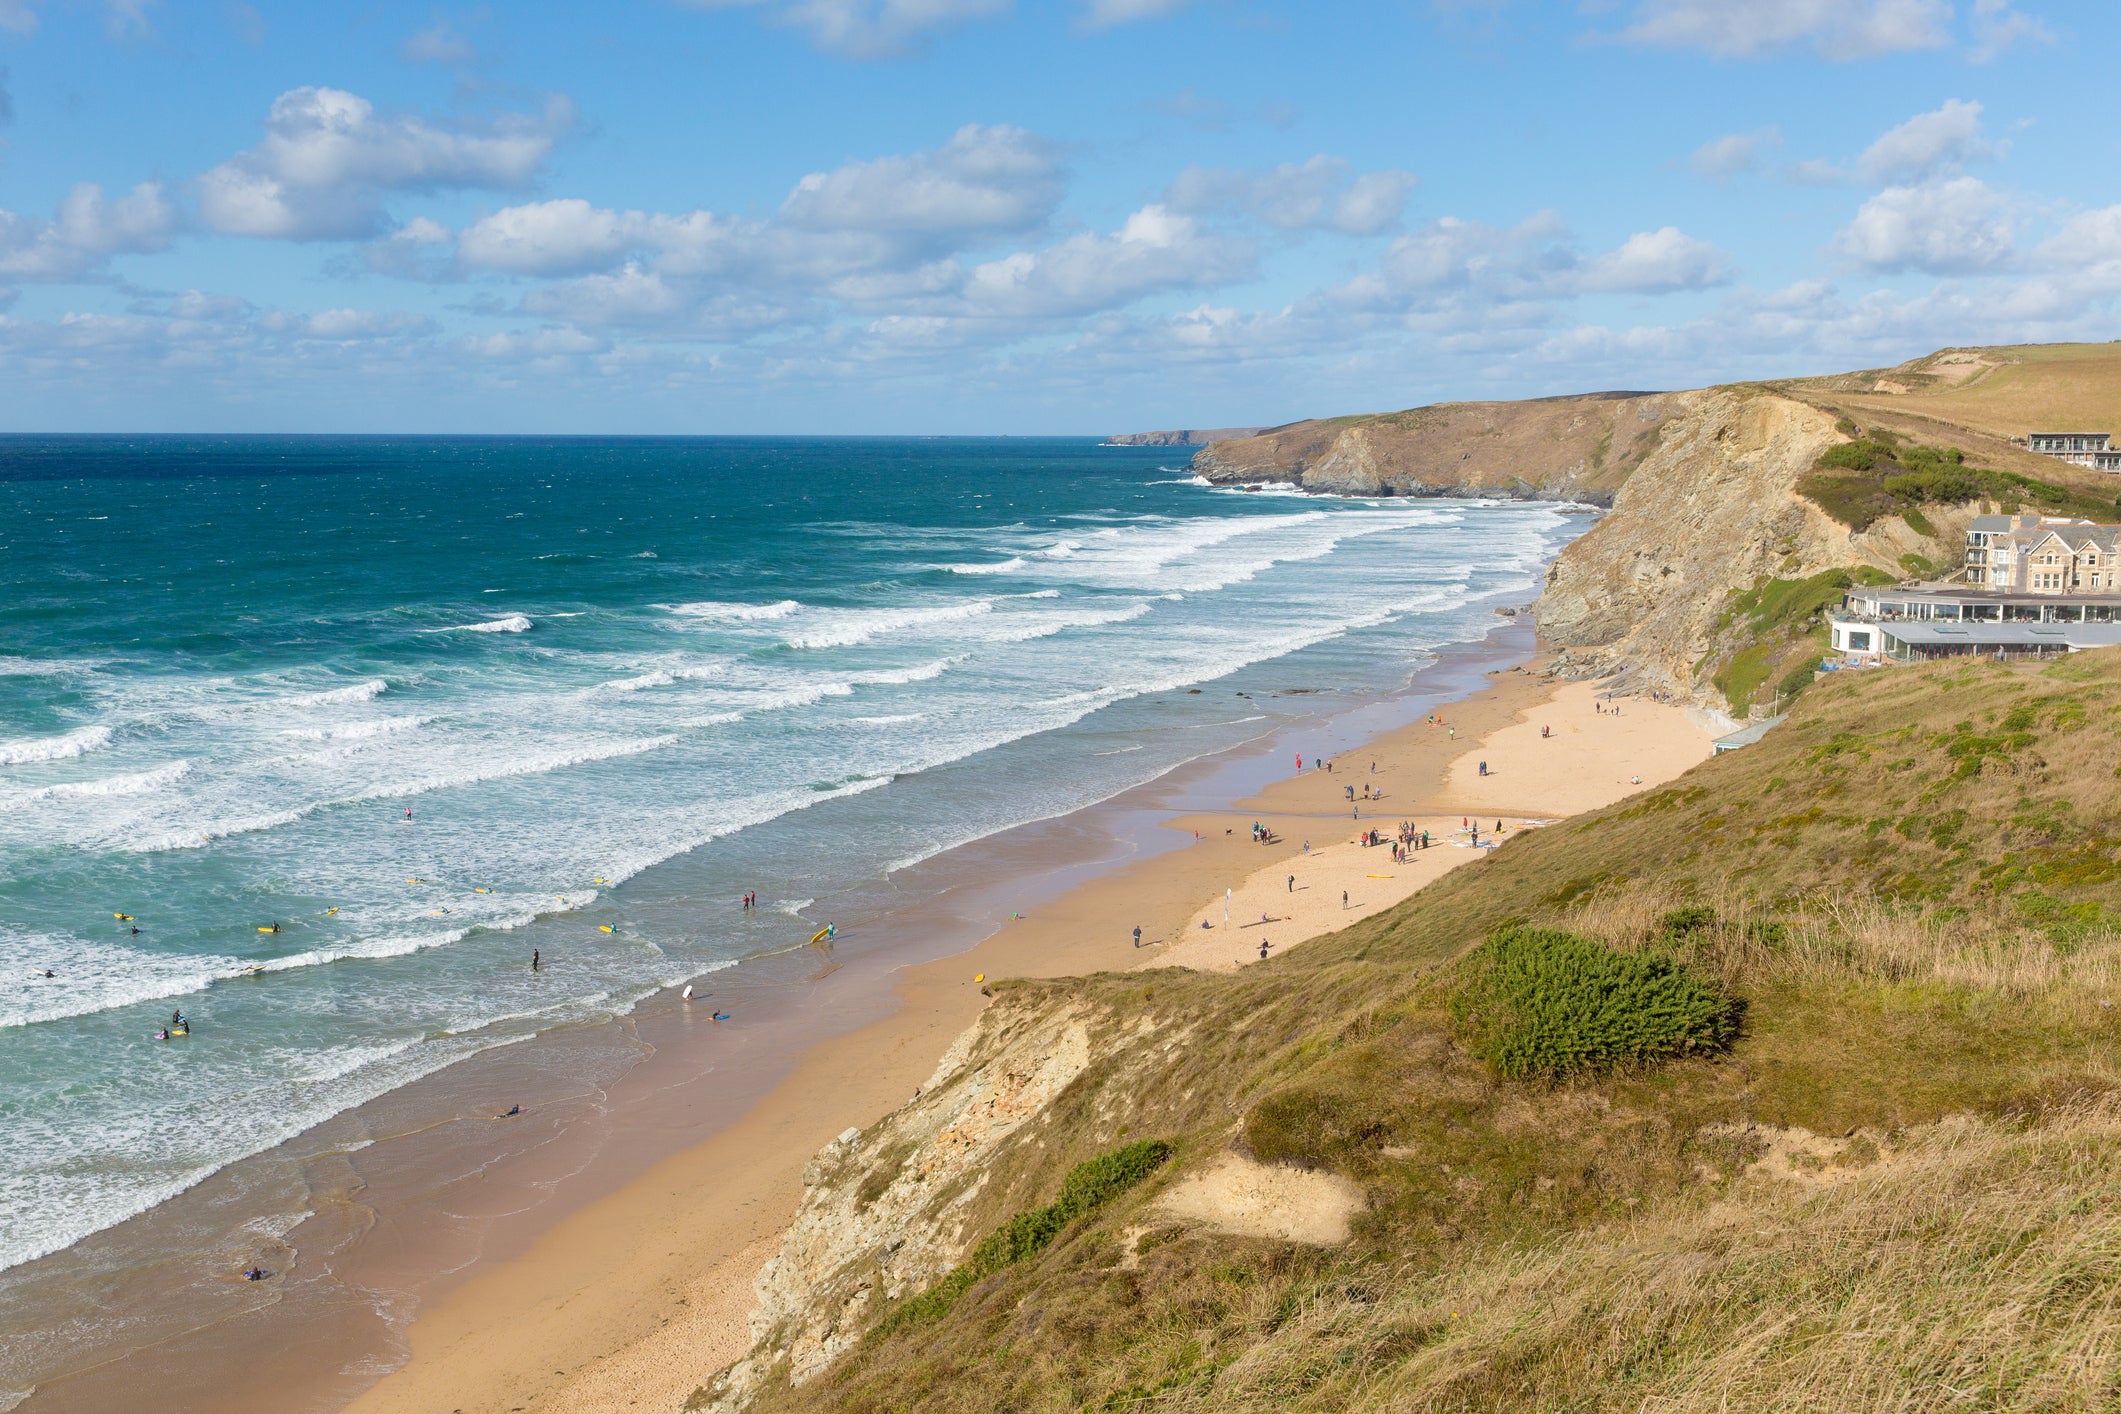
{"points": [[1892, 1184]]}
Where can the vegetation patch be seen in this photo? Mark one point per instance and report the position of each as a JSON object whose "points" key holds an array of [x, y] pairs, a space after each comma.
{"points": [[1861, 482], [1540, 1004], [1088, 1187]]}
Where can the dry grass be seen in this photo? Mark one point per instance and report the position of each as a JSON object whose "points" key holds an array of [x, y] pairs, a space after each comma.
{"points": [[1975, 1267], [1915, 889], [1865, 938], [2037, 388]]}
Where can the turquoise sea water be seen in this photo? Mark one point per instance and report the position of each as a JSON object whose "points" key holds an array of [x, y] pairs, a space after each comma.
{"points": [[425, 704]]}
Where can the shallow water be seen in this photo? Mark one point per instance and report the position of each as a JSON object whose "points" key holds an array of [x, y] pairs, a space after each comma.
{"points": [[608, 679]]}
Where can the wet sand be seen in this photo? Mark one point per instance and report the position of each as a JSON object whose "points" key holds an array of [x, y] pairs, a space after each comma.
{"points": [[413, 1196], [631, 1300]]}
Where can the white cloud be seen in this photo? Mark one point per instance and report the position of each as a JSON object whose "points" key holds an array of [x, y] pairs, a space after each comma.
{"points": [[437, 44], [122, 19], [1927, 144], [1836, 29], [85, 233], [1450, 254], [519, 344], [1155, 250], [630, 295], [1100, 14], [984, 180], [1319, 193], [1955, 226], [1657, 262], [1734, 153], [868, 29], [328, 161], [351, 325], [2087, 249], [1998, 27], [197, 306], [567, 236]]}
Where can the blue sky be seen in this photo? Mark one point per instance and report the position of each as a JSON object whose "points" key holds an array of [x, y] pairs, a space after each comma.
{"points": [[985, 216]]}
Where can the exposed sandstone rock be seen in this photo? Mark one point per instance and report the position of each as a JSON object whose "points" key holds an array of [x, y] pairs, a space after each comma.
{"points": [[1712, 509], [1577, 448], [1184, 437], [1246, 1198], [884, 1211]]}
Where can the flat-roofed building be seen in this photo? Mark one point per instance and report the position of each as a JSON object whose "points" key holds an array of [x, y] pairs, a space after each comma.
{"points": [[2068, 444]]}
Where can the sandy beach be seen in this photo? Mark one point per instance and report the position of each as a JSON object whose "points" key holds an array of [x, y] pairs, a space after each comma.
{"points": [[631, 1302]]}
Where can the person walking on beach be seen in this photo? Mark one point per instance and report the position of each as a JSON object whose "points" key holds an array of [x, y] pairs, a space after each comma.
{"points": [[1137, 935], [1343, 898], [1292, 883]]}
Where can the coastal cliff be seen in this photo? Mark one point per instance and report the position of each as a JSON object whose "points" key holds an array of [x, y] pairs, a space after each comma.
{"points": [[1904, 1026], [1873, 1040], [1645, 596], [1554, 449], [1183, 437]]}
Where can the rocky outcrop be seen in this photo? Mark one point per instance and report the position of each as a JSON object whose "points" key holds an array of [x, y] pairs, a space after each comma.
{"points": [[1184, 437], [1567, 449], [1711, 510], [887, 1210]]}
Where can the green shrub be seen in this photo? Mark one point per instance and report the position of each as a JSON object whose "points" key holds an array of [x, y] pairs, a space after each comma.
{"points": [[1536, 1003], [1683, 922], [1742, 676], [1317, 1125], [1799, 678], [1860, 482], [1856, 456], [1088, 1187], [1918, 522]]}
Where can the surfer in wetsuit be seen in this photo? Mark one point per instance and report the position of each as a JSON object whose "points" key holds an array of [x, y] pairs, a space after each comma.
{"points": [[535, 962]]}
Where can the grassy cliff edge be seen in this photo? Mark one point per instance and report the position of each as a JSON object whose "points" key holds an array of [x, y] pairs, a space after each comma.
{"points": [[1869, 1159]]}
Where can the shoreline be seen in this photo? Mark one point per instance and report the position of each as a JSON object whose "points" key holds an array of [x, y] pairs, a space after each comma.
{"points": [[640, 1296], [415, 1194]]}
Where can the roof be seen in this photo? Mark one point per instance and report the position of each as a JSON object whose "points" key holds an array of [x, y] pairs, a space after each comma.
{"points": [[1746, 736], [2023, 523], [1977, 594], [2006, 635]]}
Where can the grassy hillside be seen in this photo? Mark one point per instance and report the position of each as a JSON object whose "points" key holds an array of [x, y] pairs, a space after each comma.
{"points": [[2004, 392], [1790, 1085]]}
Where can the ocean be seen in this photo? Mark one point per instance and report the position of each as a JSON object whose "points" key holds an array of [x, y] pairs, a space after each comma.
{"points": [[315, 739]]}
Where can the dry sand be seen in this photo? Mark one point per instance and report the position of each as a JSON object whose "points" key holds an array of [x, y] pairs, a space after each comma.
{"points": [[1593, 753], [633, 1301]]}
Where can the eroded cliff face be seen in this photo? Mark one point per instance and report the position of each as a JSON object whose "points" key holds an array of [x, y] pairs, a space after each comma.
{"points": [[1711, 510], [887, 1210], [1577, 449]]}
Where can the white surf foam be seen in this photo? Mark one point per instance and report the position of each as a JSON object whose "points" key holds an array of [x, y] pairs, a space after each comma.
{"points": [[355, 692], [512, 623], [25, 750], [1008, 566], [134, 783], [844, 628], [714, 611], [357, 731]]}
